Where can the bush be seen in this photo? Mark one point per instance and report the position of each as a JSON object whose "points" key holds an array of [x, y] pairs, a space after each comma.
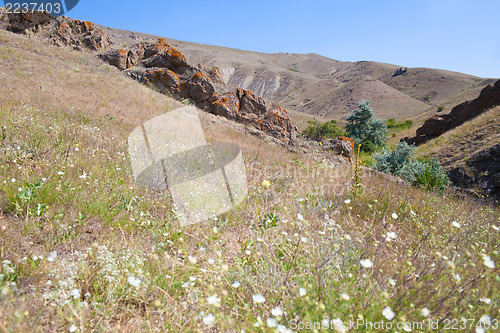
{"points": [[393, 124], [400, 162], [318, 131], [365, 130], [433, 176]]}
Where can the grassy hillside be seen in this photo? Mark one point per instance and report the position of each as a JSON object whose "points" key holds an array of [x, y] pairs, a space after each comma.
{"points": [[82, 248], [459, 144]]}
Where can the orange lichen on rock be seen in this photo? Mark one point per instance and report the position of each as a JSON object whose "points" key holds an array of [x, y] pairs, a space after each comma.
{"points": [[172, 51]]}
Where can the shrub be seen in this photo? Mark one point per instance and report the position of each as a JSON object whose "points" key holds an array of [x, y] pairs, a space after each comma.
{"points": [[318, 131], [365, 130], [401, 162], [393, 124]]}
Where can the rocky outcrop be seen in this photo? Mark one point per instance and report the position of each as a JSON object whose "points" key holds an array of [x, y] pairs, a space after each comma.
{"points": [[62, 31], [164, 67], [439, 124], [400, 71], [481, 172], [23, 23], [342, 146], [79, 34]]}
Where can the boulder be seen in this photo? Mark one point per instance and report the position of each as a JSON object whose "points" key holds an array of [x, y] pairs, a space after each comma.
{"points": [[342, 146], [162, 78], [226, 105], [117, 58], [200, 88]]}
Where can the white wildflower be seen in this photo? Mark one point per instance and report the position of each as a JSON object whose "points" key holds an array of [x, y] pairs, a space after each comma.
{"points": [[455, 224], [134, 281], [345, 297], [73, 328], [236, 284], [192, 260], [488, 262], [394, 216], [387, 313], [60, 173], [213, 300], [347, 201], [486, 320], [300, 217], [271, 322], [75, 293], [303, 240], [485, 300], [391, 281], [302, 291], [209, 319], [425, 312], [258, 298], [52, 256], [277, 312], [83, 176], [366, 263]]}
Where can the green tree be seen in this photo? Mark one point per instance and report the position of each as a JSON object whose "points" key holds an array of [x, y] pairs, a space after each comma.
{"points": [[365, 130], [318, 131]]}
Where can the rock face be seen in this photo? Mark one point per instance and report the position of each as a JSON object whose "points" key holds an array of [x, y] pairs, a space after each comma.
{"points": [[163, 66], [438, 124], [481, 171]]}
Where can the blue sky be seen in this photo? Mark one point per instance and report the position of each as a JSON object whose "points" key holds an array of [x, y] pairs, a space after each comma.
{"points": [[457, 35]]}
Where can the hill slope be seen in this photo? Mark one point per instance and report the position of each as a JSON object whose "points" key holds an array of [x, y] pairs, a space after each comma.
{"points": [[83, 248]]}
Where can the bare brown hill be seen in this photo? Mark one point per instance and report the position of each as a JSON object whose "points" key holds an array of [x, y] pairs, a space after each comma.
{"points": [[311, 84]]}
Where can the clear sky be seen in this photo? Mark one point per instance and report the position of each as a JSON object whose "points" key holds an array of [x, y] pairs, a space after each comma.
{"points": [[456, 35]]}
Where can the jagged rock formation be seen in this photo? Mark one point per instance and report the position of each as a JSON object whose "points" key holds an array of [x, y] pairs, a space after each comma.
{"points": [[164, 67], [24, 23], [61, 31], [400, 71], [481, 171], [79, 34], [439, 124]]}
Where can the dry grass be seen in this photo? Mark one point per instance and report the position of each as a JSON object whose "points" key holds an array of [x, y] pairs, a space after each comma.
{"points": [[461, 143], [124, 264]]}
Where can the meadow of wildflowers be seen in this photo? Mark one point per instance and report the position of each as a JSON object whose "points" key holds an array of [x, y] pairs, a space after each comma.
{"points": [[82, 248]]}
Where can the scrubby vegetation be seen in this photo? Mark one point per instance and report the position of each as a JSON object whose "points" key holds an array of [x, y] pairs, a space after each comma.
{"points": [[395, 125], [83, 249], [320, 131], [401, 162]]}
